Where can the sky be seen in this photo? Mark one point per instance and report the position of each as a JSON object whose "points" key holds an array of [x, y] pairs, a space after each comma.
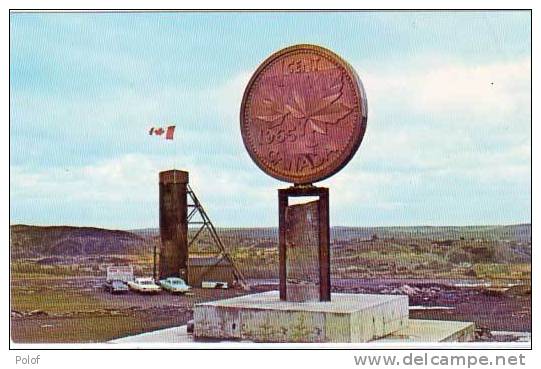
{"points": [[448, 139]]}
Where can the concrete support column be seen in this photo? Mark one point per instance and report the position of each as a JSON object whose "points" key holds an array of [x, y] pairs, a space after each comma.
{"points": [[304, 245], [173, 224]]}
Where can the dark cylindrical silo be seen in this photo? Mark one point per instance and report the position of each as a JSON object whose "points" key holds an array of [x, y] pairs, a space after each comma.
{"points": [[173, 224]]}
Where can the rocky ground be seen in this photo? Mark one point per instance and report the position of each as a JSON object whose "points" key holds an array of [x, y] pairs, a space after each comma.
{"points": [[89, 314], [79, 310], [57, 275], [112, 316]]}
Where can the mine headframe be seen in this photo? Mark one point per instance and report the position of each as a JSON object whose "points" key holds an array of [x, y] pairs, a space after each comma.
{"points": [[199, 217]]}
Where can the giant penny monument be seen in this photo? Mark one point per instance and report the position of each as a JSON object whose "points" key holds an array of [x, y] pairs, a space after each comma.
{"points": [[302, 118], [303, 114]]}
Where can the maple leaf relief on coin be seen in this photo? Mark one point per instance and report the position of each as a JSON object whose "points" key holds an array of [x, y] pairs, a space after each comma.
{"points": [[273, 107], [313, 98]]}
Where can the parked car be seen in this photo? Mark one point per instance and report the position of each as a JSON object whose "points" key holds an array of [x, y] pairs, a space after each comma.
{"points": [[115, 286], [174, 285], [215, 285], [144, 285]]}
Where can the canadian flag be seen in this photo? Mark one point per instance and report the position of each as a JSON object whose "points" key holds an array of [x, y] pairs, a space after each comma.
{"points": [[169, 132]]}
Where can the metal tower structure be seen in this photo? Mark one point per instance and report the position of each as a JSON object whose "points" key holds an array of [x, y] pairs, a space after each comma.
{"points": [[195, 207]]}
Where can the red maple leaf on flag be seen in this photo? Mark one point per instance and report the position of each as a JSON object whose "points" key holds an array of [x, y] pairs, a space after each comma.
{"points": [[169, 132]]}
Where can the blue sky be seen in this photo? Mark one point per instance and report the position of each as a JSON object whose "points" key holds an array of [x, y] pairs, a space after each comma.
{"points": [[447, 143]]}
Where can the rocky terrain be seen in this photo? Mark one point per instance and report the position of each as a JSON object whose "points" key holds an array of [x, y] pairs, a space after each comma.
{"points": [[480, 274]]}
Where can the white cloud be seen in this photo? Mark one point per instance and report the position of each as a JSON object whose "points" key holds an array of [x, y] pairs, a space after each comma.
{"points": [[127, 178], [488, 90], [227, 97], [132, 178], [397, 153], [491, 147]]}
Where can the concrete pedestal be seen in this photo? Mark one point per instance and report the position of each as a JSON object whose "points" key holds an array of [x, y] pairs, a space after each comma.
{"points": [[263, 317], [432, 331]]}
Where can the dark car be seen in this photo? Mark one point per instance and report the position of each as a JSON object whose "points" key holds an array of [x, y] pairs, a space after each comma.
{"points": [[115, 286]]}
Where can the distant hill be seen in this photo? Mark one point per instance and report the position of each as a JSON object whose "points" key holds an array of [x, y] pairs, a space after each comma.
{"points": [[37, 241], [521, 233]]}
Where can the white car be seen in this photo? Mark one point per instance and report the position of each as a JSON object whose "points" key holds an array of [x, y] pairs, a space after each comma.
{"points": [[144, 285], [174, 285], [215, 285]]}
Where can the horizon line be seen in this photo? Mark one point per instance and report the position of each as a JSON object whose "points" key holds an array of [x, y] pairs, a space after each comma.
{"points": [[276, 227]]}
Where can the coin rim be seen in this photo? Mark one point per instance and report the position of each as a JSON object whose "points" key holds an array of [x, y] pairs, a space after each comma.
{"points": [[346, 156]]}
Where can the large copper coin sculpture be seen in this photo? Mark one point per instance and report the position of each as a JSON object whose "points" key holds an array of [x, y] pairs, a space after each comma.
{"points": [[303, 117], [303, 114]]}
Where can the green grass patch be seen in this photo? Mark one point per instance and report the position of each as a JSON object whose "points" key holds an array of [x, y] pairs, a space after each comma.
{"points": [[82, 329], [51, 301], [520, 271]]}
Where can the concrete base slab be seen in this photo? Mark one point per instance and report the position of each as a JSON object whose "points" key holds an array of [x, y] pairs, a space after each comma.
{"points": [[433, 331], [418, 331], [168, 335], [263, 317]]}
